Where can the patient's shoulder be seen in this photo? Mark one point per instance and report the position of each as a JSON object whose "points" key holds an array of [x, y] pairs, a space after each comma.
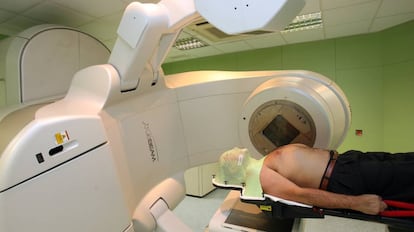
{"points": [[294, 147], [287, 149]]}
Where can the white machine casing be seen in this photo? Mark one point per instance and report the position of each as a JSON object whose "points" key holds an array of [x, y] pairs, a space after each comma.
{"points": [[324, 103], [64, 51], [114, 150], [55, 176], [235, 16]]}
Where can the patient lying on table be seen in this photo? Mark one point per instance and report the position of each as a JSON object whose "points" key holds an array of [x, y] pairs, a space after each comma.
{"points": [[353, 180]]}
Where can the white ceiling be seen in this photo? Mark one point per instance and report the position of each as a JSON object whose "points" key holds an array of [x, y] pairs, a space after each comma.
{"points": [[100, 18]]}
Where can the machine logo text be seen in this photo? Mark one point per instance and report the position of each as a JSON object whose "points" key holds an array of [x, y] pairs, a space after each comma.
{"points": [[151, 142]]}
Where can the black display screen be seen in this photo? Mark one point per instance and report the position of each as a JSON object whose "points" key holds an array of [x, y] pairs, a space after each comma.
{"points": [[280, 132]]}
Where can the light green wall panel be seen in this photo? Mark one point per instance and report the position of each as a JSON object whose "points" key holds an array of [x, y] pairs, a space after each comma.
{"points": [[224, 62], [314, 56], [398, 43], [398, 75], [358, 51], [2, 93], [364, 90], [261, 59], [181, 66], [359, 74], [399, 107]]}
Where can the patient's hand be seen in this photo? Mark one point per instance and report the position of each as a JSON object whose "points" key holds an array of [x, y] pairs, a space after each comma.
{"points": [[369, 204]]}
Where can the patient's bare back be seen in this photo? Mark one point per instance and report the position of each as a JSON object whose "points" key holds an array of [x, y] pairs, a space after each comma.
{"points": [[299, 163]]}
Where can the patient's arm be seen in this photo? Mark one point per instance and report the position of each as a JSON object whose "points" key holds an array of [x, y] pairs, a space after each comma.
{"points": [[276, 185]]}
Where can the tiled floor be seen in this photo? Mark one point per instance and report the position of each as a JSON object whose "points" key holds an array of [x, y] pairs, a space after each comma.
{"points": [[197, 212]]}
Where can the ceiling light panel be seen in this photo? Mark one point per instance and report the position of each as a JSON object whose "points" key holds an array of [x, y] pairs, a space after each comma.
{"points": [[189, 43], [305, 22]]}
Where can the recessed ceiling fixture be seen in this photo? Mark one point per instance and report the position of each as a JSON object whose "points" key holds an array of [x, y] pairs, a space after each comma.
{"points": [[305, 22], [189, 43]]}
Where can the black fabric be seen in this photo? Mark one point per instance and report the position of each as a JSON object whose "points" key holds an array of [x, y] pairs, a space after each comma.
{"points": [[390, 176]]}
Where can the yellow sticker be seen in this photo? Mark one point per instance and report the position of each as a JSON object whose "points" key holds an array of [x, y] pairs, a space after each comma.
{"points": [[61, 137], [266, 207]]}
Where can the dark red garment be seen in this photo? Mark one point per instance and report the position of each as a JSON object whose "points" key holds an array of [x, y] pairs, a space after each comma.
{"points": [[398, 209]]}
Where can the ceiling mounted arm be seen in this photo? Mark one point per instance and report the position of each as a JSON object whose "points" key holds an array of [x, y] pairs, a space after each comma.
{"points": [[240, 16], [147, 31]]}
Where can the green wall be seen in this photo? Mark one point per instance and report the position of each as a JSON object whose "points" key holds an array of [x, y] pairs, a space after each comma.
{"points": [[2, 93], [376, 72], [398, 78]]}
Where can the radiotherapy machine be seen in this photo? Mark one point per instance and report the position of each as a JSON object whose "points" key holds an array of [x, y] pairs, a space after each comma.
{"points": [[110, 155]]}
